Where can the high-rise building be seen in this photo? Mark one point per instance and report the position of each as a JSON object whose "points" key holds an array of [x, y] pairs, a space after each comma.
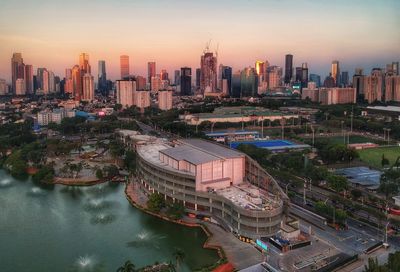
{"points": [[298, 74], [142, 99], [316, 78], [395, 68], [52, 83], [373, 86], [344, 79], [3, 87], [165, 99], [87, 87], [248, 82], [68, 86], [331, 96], [186, 81], [155, 84], [392, 88], [126, 90], [226, 74], [140, 83], [329, 81], [20, 86], [102, 78], [151, 71], [335, 72], [198, 77], [124, 66], [358, 82], [29, 79], [17, 69], [288, 68], [274, 76], [304, 75], [164, 75], [84, 63], [177, 77], [208, 76], [77, 83], [236, 84]]}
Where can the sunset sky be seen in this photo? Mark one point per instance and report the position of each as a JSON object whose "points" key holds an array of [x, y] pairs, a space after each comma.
{"points": [[52, 33]]}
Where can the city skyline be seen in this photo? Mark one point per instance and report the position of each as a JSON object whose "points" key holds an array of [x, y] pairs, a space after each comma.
{"points": [[56, 44]]}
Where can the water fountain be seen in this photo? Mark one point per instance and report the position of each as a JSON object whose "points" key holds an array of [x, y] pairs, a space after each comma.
{"points": [[146, 239], [35, 191], [97, 204], [5, 183], [102, 218]]}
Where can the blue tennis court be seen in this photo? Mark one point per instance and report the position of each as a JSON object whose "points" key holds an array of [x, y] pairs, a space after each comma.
{"points": [[264, 144]]}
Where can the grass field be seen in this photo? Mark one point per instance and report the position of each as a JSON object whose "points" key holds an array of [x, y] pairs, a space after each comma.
{"points": [[373, 156], [354, 139]]}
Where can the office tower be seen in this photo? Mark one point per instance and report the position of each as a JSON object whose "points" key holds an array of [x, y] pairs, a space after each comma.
{"points": [[274, 76], [344, 79], [288, 68], [17, 69], [84, 63], [248, 82], [358, 82], [155, 84], [68, 89], [335, 72], [298, 74], [57, 83], [177, 77], [87, 87], [395, 68], [151, 71], [316, 78], [29, 79], [140, 83], [20, 86], [186, 81], [164, 75], [52, 83], [304, 75], [102, 78], [77, 83], [260, 68], [329, 81], [198, 76], [45, 82], [142, 99], [373, 86], [226, 74], [165, 99], [124, 66], [236, 84], [3, 87], [208, 76], [126, 90]]}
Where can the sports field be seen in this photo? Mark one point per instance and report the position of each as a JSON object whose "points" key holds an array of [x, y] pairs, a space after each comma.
{"points": [[354, 139], [373, 156]]}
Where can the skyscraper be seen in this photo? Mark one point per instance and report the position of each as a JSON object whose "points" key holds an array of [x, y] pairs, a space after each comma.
{"points": [[177, 77], [186, 81], [84, 63], [335, 72], [358, 82], [165, 99], [304, 75], [87, 87], [17, 69], [151, 71], [344, 79], [395, 68], [208, 76], [164, 75], [77, 83], [288, 68], [124, 66], [316, 78], [274, 76], [68, 89], [226, 74], [52, 83], [20, 86], [373, 86], [102, 77], [29, 79], [248, 82], [198, 76]]}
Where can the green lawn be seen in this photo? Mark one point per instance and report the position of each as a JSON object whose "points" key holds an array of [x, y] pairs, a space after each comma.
{"points": [[373, 156], [354, 139]]}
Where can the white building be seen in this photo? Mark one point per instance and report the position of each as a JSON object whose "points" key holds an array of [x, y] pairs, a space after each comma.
{"points": [[56, 116], [165, 100], [126, 92], [142, 99], [20, 88]]}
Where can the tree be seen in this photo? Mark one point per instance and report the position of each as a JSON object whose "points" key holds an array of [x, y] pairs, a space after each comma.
{"points": [[176, 210], [179, 255], [45, 174], [99, 174], [337, 183], [356, 194], [155, 202], [128, 266], [385, 161]]}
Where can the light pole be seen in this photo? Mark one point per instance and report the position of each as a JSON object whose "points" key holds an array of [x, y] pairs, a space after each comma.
{"points": [[344, 134], [388, 135], [313, 134]]}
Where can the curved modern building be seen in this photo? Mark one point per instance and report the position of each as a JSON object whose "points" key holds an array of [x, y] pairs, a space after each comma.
{"points": [[212, 180]]}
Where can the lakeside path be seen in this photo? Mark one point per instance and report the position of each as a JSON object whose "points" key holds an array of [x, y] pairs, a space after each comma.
{"points": [[240, 254], [84, 181]]}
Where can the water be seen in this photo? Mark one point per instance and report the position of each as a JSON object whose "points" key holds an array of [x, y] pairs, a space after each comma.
{"points": [[86, 229]]}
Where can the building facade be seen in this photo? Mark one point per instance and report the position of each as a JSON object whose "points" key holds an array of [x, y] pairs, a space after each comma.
{"points": [[165, 99], [126, 90], [124, 66]]}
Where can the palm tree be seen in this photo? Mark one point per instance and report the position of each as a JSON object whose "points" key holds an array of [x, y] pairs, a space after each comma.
{"points": [[179, 255], [127, 267]]}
